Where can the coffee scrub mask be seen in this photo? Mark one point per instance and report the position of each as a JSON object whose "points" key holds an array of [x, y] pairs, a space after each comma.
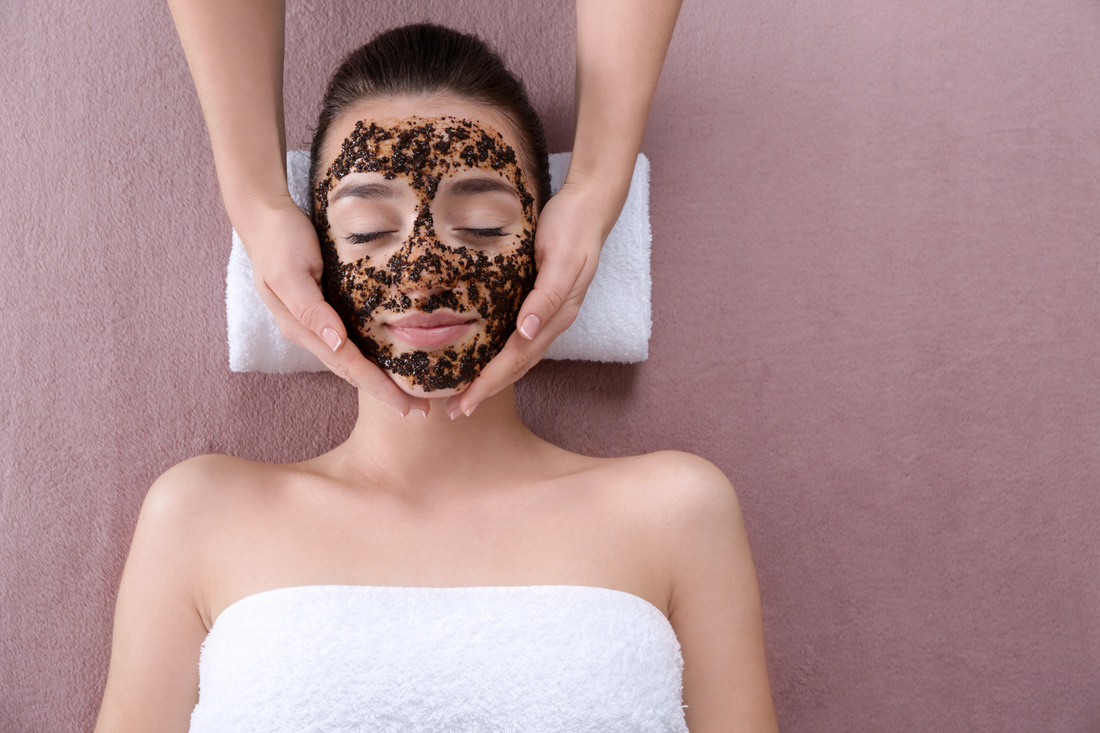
{"points": [[490, 281]]}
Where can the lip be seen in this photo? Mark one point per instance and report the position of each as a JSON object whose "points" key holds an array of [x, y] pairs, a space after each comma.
{"points": [[430, 330]]}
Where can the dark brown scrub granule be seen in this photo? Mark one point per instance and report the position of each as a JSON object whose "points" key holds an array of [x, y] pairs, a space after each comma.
{"points": [[425, 151]]}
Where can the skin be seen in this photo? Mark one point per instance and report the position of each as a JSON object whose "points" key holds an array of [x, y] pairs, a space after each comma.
{"points": [[234, 49], [439, 203], [481, 501]]}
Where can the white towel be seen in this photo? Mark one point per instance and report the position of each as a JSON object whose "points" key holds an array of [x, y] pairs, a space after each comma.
{"points": [[524, 659], [614, 322]]}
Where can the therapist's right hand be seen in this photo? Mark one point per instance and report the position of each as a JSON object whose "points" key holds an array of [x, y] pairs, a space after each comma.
{"points": [[287, 267]]}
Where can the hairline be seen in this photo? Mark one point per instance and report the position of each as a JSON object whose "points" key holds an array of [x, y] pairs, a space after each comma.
{"points": [[525, 158]]}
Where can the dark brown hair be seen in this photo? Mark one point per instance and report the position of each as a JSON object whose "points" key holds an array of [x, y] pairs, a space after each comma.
{"points": [[425, 59]]}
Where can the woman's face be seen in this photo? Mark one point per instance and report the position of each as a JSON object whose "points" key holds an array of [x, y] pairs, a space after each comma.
{"points": [[427, 231]]}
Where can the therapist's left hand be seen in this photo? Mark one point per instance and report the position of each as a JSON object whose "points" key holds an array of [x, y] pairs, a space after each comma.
{"points": [[570, 234]]}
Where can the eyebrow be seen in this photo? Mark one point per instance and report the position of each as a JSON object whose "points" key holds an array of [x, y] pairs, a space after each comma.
{"points": [[363, 191], [472, 186]]}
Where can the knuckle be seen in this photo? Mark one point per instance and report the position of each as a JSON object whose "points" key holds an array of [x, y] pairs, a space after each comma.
{"points": [[290, 329], [567, 316], [342, 372], [520, 364], [263, 287], [308, 315], [553, 297]]}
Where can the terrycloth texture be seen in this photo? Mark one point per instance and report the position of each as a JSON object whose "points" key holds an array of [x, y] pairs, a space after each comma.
{"points": [[528, 659], [613, 324]]}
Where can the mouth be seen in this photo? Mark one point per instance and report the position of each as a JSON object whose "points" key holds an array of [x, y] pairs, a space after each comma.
{"points": [[429, 330]]}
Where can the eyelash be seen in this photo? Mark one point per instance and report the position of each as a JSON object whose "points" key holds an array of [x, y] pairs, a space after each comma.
{"points": [[496, 232], [365, 238]]}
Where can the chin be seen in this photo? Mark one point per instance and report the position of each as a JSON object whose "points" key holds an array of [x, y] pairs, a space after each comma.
{"points": [[411, 388]]}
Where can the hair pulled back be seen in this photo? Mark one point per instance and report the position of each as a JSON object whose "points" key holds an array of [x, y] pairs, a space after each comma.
{"points": [[426, 59]]}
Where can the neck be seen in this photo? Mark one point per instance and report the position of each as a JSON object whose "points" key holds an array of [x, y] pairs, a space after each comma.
{"points": [[416, 453]]}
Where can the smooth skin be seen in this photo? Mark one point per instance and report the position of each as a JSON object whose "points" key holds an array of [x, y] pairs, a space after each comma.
{"points": [[477, 501], [235, 51]]}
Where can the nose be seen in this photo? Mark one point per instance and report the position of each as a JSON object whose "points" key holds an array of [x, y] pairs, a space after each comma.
{"points": [[424, 267], [417, 292]]}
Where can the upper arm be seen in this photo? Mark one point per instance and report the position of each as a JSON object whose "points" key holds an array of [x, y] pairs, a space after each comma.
{"points": [[714, 603], [154, 678]]}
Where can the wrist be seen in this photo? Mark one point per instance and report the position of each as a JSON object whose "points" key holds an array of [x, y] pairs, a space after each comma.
{"points": [[603, 191], [253, 182], [247, 208], [602, 164]]}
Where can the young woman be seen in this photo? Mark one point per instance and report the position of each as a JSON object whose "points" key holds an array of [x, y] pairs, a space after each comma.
{"points": [[436, 574]]}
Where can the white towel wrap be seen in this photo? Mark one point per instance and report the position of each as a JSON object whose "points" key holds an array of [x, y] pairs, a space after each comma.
{"points": [[614, 322], [523, 659]]}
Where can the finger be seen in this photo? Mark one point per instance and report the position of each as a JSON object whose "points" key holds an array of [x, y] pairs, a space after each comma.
{"points": [[420, 406], [347, 363], [558, 281], [513, 361], [301, 297]]}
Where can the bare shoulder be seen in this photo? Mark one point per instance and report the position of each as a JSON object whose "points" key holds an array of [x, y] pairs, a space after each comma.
{"points": [[196, 502], [202, 486], [681, 487], [698, 534], [680, 514], [202, 474], [697, 512], [160, 612], [683, 469]]}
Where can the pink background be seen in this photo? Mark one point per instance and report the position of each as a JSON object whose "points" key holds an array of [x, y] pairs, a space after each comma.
{"points": [[875, 268]]}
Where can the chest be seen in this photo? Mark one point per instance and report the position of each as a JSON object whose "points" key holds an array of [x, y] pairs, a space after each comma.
{"points": [[554, 536]]}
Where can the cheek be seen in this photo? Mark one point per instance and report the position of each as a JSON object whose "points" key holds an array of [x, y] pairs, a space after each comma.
{"points": [[498, 283], [359, 290], [497, 286]]}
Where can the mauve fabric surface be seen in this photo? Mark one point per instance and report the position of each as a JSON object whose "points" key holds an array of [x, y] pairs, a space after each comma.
{"points": [[875, 268]]}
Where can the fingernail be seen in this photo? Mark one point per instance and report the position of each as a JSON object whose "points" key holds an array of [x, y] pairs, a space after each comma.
{"points": [[398, 411], [530, 326], [455, 413], [470, 411], [331, 338], [418, 411]]}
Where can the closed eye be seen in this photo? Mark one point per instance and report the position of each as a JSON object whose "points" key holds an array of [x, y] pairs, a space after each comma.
{"points": [[496, 232], [365, 238]]}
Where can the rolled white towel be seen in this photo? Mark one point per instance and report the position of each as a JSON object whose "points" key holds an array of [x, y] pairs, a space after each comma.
{"points": [[613, 324]]}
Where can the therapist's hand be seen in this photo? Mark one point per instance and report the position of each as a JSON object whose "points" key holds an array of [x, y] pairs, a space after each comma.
{"points": [[570, 234], [287, 266]]}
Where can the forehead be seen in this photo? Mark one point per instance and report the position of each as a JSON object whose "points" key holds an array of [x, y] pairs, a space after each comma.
{"points": [[424, 152], [399, 112]]}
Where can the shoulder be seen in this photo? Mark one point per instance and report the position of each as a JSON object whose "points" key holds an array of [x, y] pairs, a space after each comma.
{"points": [[195, 499], [684, 507], [694, 518], [198, 483], [189, 515], [683, 487], [160, 613], [713, 598], [202, 472], [687, 528]]}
